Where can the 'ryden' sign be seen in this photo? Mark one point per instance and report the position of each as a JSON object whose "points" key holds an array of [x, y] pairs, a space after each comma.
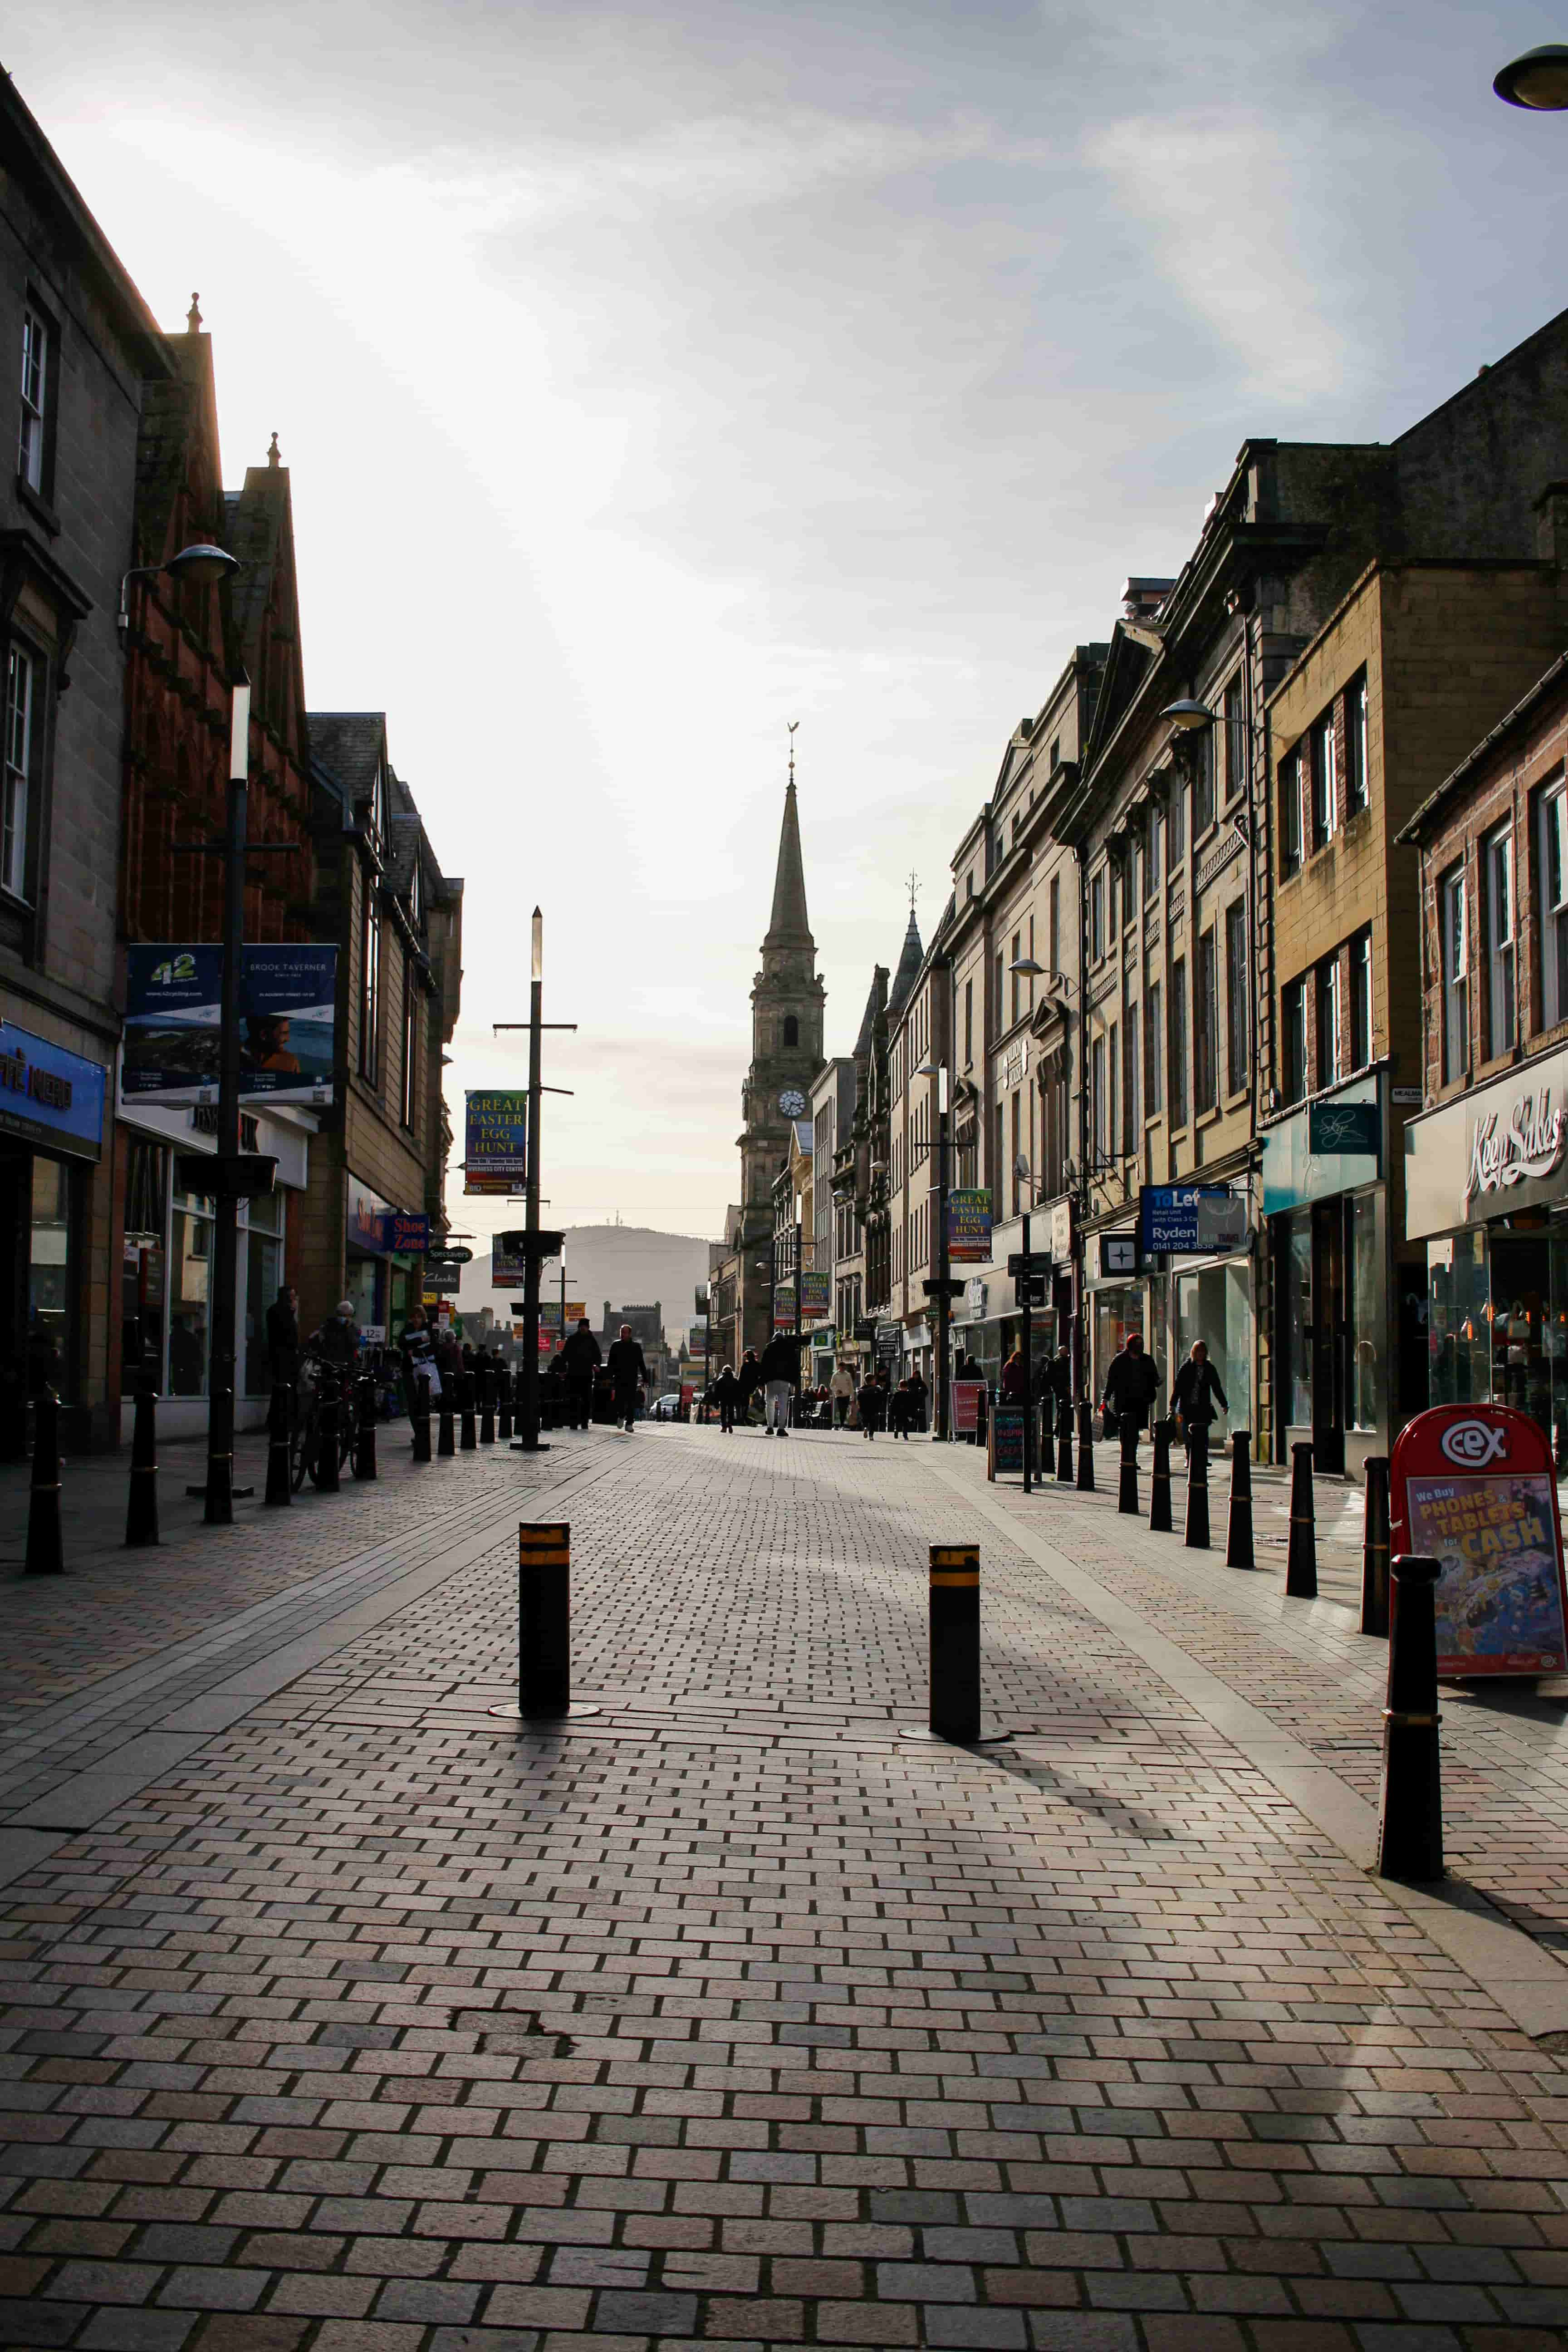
{"points": [[1528, 1145]]}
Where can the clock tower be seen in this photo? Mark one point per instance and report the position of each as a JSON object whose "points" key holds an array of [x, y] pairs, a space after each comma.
{"points": [[788, 1000]]}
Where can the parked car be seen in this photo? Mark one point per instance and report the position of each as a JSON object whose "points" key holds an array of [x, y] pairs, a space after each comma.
{"points": [[666, 1408]]}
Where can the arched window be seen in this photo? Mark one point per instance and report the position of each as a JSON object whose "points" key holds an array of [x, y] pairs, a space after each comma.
{"points": [[792, 1031]]}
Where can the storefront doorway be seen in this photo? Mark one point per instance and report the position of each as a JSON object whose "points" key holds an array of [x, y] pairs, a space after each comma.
{"points": [[1331, 1345]]}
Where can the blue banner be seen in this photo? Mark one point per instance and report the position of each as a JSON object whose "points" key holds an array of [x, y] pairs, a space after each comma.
{"points": [[49, 1096], [174, 1009]]}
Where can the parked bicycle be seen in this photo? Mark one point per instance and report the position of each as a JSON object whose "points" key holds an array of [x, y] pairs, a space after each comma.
{"points": [[305, 1435]]}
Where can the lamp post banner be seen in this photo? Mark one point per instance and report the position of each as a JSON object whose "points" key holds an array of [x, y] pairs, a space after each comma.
{"points": [[1472, 1487], [969, 1226], [495, 1140], [172, 1020]]}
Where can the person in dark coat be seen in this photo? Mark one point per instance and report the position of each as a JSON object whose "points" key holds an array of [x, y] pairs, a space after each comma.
{"points": [[873, 1402], [1132, 1383], [1196, 1388], [780, 1373], [283, 1338], [918, 1393], [750, 1378], [580, 1359], [627, 1369], [419, 1369], [724, 1391], [1015, 1377]]}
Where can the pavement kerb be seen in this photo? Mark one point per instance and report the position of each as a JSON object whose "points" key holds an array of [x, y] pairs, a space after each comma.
{"points": [[1527, 1982], [149, 1753]]}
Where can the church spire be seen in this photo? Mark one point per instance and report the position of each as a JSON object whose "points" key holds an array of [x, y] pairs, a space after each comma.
{"points": [[790, 927]]}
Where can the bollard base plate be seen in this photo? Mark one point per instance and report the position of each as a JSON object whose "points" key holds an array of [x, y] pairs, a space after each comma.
{"points": [[988, 1737], [543, 1722], [236, 1494]]}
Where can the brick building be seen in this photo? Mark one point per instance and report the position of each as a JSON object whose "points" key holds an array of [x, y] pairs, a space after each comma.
{"points": [[81, 348]]}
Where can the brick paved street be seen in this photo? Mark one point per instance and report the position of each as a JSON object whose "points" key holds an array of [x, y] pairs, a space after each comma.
{"points": [[342, 2016]]}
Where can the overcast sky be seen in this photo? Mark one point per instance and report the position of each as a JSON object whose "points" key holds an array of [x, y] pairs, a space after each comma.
{"points": [[651, 376]]}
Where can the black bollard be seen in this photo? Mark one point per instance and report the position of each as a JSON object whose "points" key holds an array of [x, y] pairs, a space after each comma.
{"points": [[218, 1511], [1302, 1553], [955, 1641], [503, 1404], [142, 1503], [45, 1555], [1160, 1521], [324, 1469], [1064, 1444], [1085, 1448], [1127, 1489], [278, 1416], [365, 1429], [544, 1626], [1410, 1824], [1238, 1550], [468, 1439], [487, 1405], [421, 1421], [446, 1437], [1196, 1538], [1374, 1549]]}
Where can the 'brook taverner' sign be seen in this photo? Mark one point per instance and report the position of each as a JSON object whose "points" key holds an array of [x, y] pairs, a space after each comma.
{"points": [[1530, 1145]]}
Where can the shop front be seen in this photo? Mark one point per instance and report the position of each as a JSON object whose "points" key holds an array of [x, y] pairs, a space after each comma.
{"points": [[166, 1256], [51, 1142], [1118, 1298], [1344, 1376], [382, 1283], [1192, 1247], [1487, 1191]]}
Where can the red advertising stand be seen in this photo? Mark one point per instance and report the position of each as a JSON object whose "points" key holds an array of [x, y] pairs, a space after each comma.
{"points": [[1475, 1489], [966, 1396]]}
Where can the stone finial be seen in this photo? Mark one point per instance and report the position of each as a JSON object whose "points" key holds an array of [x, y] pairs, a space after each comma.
{"points": [[194, 316], [272, 457]]}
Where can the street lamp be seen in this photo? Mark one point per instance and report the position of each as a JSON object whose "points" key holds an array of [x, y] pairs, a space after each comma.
{"points": [[1539, 80], [202, 562], [1187, 717]]}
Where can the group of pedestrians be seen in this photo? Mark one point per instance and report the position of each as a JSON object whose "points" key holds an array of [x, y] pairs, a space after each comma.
{"points": [[842, 1402], [1134, 1380]]}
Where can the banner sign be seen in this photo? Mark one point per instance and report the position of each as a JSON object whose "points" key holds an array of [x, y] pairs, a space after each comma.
{"points": [[969, 1227], [783, 1307], [815, 1295], [404, 1233], [173, 1009], [966, 1396], [1191, 1220], [495, 1141], [507, 1271], [439, 1279], [1474, 1488]]}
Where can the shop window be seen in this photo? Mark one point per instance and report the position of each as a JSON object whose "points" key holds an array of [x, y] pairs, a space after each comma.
{"points": [[1355, 745], [1205, 1034], [1292, 830], [1459, 1318], [1154, 1048], [1297, 1327], [1552, 882], [1179, 1043], [1367, 1319], [15, 787], [1293, 1041], [1235, 722], [1176, 825], [1498, 924], [1202, 752], [1454, 949], [1214, 1304], [1328, 1010], [1361, 999], [190, 1272], [1236, 995], [50, 1269], [145, 1270]]}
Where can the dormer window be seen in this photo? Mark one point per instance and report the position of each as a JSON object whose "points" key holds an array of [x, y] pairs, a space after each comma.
{"points": [[416, 895], [378, 805]]}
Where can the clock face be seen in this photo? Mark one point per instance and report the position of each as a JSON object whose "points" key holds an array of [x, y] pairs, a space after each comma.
{"points": [[791, 1102]]}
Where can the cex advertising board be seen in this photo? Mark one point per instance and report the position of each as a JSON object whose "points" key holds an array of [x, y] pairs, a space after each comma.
{"points": [[1473, 1487]]}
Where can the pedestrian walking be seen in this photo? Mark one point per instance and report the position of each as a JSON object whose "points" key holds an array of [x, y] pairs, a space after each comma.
{"points": [[873, 1402], [283, 1338], [780, 1372], [421, 1376], [337, 1341], [627, 1370], [580, 1359], [918, 1395], [1195, 1391], [901, 1411], [841, 1389], [1015, 1377], [726, 1388], [749, 1375], [1132, 1384]]}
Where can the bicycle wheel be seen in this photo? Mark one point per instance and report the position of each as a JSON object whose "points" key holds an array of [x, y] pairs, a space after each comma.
{"points": [[301, 1447]]}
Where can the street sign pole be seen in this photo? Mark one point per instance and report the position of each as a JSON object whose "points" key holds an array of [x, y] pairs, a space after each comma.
{"points": [[1027, 1294]]}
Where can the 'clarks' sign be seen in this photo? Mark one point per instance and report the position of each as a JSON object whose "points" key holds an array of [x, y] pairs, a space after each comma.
{"points": [[1530, 1145]]}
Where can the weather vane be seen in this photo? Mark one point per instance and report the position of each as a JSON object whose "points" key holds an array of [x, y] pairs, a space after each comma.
{"points": [[792, 724]]}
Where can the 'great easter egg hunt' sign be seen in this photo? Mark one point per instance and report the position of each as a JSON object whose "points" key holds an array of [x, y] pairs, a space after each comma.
{"points": [[495, 1142]]}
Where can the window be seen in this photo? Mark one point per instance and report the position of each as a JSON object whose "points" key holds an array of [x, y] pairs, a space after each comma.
{"points": [[370, 986], [35, 395], [1552, 884], [1361, 1000], [1013, 1159], [1056, 752], [1235, 709], [1110, 1049], [18, 765], [1202, 751], [1017, 984], [1236, 1057], [1454, 953], [968, 1023], [1153, 1049], [1355, 745], [378, 804], [1130, 1123], [1328, 989], [1325, 780], [996, 1004], [1054, 923], [1291, 830], [1097, 1098], [1498, 917], [791, 1033], [1151, 858], [1097, 917], [1179, 1043], [407, 1089], [1293, 1041], [1205, 1041], [1175, 827]]}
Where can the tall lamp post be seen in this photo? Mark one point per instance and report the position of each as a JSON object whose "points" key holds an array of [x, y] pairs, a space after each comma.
{"points": [[536, 1246]]}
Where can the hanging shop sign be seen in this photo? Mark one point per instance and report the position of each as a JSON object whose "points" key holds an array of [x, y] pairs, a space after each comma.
{"points": [[783, 1307], [368, 1222], [1060, 1221], [1191, 1220], [173, 1002], [1351, 1131], [508, 1267], [439, 1279], [408, 1236], [969, 1227], [1329, 1146], [975, 1299], [815, 1295], [1474, 1488], [495, 1141], [49, 1096]]}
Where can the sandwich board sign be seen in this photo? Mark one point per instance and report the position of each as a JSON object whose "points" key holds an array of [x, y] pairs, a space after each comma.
{"points": [[1473, 1487]]}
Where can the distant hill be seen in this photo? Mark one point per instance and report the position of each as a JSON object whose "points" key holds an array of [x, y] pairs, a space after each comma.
{"points": [[630, 1266]]}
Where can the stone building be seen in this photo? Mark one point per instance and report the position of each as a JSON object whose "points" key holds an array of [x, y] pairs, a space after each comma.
{"points": [[82, 346]]}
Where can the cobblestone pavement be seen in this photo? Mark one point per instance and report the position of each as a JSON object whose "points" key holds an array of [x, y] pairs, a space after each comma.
{"points": [[369, 2023]]}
